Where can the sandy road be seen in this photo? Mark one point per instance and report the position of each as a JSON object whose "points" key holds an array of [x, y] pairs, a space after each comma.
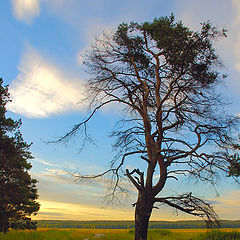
{"points": [[97, 235]]}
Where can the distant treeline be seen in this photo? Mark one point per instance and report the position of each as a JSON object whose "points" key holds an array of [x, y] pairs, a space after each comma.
{"points": [[130, 224]]}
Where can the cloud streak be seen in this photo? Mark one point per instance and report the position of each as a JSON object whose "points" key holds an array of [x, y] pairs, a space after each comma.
{"points": [[41, 89], [228, 206], [43, 162], [26, 10], [53, 210]]}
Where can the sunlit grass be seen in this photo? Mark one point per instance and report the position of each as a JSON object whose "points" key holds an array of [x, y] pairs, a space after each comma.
{"points": [[219, 235], [120, 234], [179, 234], [45, 235], [155, 234]]}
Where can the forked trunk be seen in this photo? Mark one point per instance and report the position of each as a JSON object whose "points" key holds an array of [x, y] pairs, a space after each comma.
{"points": [[143, 212]]}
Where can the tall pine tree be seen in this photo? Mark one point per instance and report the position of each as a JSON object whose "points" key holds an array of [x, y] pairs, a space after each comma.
{"points": [[173, 122], [18, 191]]}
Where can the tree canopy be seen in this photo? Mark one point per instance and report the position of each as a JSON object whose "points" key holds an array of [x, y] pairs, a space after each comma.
{"points": [[234, 167], [18, 191], [164, 76]]}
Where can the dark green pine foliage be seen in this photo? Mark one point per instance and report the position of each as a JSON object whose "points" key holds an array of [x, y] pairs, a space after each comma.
{"points": [[234, 161], [18, 191]]}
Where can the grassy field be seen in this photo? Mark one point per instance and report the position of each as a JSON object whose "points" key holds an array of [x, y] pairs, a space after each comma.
{"points": [[131, 224], [121, 234]]}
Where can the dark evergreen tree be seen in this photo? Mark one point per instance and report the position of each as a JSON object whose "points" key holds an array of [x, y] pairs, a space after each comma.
{"points": [[18, 191]]}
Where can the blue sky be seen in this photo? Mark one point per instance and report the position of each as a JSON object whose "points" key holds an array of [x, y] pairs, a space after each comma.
{"points": [[40, 57]]}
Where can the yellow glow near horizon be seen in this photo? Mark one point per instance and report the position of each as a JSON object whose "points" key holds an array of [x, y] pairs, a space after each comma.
{"points": [[69, 211], [227, 207]]}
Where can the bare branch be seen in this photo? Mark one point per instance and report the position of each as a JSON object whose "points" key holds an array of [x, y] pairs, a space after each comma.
{"points": [[128, 174], [83, 123], [194, 206]]}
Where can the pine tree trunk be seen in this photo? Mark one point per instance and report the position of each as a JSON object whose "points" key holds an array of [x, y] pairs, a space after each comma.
{"points": [[143, 212], [4, 223]]}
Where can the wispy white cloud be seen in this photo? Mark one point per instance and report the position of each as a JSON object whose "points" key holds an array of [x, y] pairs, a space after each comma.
{"points": [[42, 89], [43, 162], [228, 206], [56, 172], [26, 10], [58, 176]]}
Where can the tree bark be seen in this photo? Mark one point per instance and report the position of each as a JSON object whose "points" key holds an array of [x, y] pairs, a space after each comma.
{"points": [[4, 223], [143, 212]]}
